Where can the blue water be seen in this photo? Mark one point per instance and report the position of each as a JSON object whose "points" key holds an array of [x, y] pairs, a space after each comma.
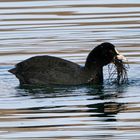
{"points": [[69, 29]]}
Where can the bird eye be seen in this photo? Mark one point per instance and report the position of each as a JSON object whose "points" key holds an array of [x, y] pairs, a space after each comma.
{"points": [[111, 51]]}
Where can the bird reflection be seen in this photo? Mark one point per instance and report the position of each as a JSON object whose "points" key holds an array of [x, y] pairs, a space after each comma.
{"points": [[108, 106]]}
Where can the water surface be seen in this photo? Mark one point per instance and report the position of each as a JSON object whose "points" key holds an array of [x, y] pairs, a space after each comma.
{"points": [[69, 29]]}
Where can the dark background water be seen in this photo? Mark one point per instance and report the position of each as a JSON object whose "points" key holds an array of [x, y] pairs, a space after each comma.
{"points": [[69, 29]]}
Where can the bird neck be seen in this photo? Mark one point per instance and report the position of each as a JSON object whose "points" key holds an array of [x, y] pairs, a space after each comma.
{"points": [[99, 76], [96, 73], [94, 65], [93, 59]]}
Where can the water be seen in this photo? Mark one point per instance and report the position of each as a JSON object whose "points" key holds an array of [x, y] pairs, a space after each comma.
{"points": [[69, 29]]}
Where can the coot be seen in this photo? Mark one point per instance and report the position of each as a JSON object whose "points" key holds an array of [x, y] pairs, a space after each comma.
{"points": [[45, 70]]}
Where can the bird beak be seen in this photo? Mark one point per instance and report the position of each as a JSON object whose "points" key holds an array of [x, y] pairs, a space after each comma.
{"points": [[120, 57]]}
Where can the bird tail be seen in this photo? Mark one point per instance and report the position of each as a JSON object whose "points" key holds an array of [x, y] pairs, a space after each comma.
{"points": [[13, 71]]}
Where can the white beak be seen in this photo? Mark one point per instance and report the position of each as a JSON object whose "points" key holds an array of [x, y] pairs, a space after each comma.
{"points": [[120, 57]]}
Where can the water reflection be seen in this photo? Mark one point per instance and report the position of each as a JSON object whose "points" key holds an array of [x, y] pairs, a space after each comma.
{"points": [[106, 106], [68, 29], [109, 108]]}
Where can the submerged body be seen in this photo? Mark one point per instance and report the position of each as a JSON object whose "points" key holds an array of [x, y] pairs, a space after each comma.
{"points": [[44, 70]]}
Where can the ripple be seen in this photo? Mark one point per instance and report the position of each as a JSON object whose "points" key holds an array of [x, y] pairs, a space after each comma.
{"points": [[68, 29]]}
